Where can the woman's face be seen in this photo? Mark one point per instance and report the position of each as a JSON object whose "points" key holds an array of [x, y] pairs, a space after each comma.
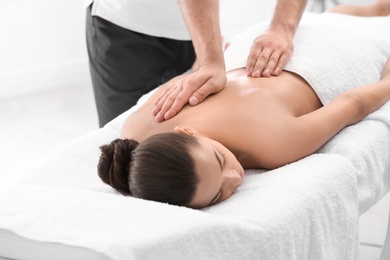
{"points": [[218, 170]]}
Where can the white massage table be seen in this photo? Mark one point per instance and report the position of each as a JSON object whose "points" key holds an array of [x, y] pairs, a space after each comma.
{"points": [[308, 209]]}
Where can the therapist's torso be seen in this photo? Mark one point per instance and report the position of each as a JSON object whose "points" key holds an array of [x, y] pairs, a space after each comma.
{"points": [[160, 18]]}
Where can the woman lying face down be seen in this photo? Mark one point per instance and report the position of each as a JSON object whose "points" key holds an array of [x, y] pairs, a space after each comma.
{"points": [[181, 168], [197, 158]]}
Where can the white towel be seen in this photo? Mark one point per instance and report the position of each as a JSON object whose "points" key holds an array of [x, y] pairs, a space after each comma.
{"points": [[302, 209], [307, 210], [333, 52], [366, 145]]}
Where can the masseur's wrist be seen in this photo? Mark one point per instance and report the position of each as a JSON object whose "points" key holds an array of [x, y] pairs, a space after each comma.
{"points": [[210, 52], [212, 58], [287, 16], [286, 27]]}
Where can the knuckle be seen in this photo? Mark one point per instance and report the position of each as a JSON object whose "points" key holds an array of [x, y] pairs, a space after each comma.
{"points": [[273, 60], [252, 56], [176, 88], [161, 102], [180, 99], [201, 93], [263, 58], [283, 60], [169, 100], [173, 110], [279, 47], [289, 51], [258, 41], [188, 81]]}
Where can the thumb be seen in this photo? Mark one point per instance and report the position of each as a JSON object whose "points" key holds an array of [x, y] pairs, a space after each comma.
{"points": [[198, 96], [193, 100]]}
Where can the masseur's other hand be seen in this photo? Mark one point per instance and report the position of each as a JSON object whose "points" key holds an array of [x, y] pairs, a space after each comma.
{"points": [[269, 54], [192, 88]]}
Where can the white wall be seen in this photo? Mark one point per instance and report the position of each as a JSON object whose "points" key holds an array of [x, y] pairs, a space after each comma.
{"points": [[237, 15], [42, 45], [42, 42]]}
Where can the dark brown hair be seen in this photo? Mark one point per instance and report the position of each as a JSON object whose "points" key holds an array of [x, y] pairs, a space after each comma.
{"points": [[160, 168]]}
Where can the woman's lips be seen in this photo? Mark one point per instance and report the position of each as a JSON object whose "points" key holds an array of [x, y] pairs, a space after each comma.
{"points": [[241, 172]]}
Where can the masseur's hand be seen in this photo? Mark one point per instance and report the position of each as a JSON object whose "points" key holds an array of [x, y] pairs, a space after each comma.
{"points": [[269, 54], [192, 88]]}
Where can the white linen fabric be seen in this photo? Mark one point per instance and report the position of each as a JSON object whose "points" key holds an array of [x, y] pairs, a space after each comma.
{"points": [[332, 52], [308, 209]]}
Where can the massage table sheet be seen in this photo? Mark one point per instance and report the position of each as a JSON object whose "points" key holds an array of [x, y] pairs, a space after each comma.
{"points": [[308, 209]]}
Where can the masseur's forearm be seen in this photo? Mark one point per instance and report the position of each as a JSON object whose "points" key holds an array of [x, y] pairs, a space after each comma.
{"points": [[287, 15], [202, 19]]}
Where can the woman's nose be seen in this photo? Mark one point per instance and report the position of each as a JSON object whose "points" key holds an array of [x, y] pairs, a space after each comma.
{"points": [[234, 179], [230, 183]]}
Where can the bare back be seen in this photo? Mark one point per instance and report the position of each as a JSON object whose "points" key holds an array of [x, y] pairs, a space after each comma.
{"points": [[251, 116]]}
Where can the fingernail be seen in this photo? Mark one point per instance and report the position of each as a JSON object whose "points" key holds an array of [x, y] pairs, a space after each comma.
{"points": [[266, 73], [158, 117], [256, 74], [154, 111], [167, 115], [193, 101], [249, 72]]}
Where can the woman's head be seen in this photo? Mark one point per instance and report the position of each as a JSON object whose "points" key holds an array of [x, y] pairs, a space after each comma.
{"points": [[181, 168], [159, 168]]}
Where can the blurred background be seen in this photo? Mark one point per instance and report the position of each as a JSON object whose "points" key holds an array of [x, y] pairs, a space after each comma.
{"points": [[46, 97]]}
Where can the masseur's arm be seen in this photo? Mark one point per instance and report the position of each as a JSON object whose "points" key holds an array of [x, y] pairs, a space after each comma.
{"points": [[202, 19], [272, 50]]}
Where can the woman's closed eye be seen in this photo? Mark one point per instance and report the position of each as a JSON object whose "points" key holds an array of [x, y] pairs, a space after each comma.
{"points": [[216, 198], [223, 160]]}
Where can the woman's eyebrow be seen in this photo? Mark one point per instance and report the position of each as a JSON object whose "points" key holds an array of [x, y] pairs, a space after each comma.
{"points": [[219, 160]]}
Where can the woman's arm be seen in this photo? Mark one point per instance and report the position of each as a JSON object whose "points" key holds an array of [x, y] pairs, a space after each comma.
{"points": [[309, 132]]}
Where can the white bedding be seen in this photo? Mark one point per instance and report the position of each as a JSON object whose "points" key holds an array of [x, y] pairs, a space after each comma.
{"points": [[305, 210]]}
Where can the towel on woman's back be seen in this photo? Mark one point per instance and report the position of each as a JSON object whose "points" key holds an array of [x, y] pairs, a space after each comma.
{"points": [[332, 52]]}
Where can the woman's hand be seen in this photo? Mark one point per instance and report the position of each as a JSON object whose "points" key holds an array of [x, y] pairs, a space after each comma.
{"points": [[191, 88], [269, 54]]}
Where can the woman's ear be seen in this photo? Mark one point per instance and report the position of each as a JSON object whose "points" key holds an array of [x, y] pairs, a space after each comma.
{"points": [[186, 130]]}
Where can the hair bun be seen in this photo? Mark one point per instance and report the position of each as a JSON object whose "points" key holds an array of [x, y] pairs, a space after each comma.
{"points": [[114, 164]]}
